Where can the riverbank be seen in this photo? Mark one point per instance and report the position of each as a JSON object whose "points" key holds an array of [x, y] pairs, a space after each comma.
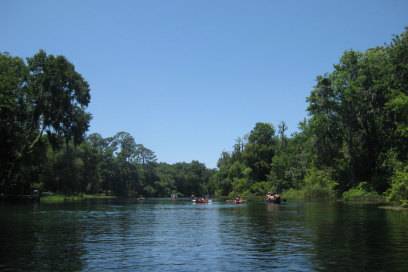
{"points": [[353, 197], [59, 198], [394, 208]]}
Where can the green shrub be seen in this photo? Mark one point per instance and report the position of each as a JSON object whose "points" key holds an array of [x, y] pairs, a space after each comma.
{"points": [[293, 194], [398, 192], [245, 194], [318, 184], [239, 185], [58, 198], [363, 192], [261, 188]]}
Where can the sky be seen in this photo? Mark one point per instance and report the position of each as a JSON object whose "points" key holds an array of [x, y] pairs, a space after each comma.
{"points": [[186, 78]]}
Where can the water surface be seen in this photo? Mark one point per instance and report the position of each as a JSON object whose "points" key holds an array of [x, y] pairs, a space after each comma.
{"points": [[163, 235]]}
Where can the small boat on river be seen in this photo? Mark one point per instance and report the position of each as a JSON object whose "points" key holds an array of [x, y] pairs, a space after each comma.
{"points": [[201, 200], [273, 198], [237, 200]]}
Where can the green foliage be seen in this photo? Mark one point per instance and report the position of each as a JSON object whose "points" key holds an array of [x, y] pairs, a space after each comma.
{"points": [[58, 198], [261, 188], [363, 192], [398, 192], [114, 165], [239, 186], [359, 113], [286, 159], [318, 184], [357, 131], [43, 124], [191, 178], [295, 194], [259, 151], [42, 99]]}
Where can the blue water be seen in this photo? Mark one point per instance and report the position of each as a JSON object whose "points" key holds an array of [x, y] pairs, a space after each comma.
{"points": [[164, 235]]}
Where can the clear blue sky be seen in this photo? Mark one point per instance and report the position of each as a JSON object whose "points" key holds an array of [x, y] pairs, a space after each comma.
{"points": [[186, 78]]}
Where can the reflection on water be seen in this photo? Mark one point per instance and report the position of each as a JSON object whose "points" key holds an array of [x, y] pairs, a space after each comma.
{"points": [[160, 235]]}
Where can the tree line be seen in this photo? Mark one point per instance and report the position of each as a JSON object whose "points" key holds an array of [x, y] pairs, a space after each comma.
{"points": [[43, 141], [356, 135], [355, 138]]}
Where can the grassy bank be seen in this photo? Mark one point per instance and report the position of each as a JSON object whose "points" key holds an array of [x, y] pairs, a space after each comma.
{"points": [[59, 198]]}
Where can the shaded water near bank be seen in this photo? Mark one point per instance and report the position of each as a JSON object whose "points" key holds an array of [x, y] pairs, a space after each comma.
{"points": [[162, 235]]}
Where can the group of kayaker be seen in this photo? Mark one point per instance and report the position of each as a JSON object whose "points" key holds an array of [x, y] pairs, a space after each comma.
{"points": [[270, 197], [201, 200], [238, 200], [273, 197]]}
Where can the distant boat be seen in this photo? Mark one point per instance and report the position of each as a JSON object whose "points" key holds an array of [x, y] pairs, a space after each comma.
{"points": [[201, 200], [273, 198], [239, 201], [275, 201], [236, 201]]}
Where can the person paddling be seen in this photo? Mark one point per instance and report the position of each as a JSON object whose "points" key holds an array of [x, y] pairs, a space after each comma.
{"points": [[238, 199]]}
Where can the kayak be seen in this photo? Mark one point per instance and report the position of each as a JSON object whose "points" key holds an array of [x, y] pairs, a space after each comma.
{"points": [[201, 201], [273, 198], [234, 201], [275, 201]]}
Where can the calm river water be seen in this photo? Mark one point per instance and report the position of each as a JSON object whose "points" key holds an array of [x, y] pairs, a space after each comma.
{"points": [[161, 235]]}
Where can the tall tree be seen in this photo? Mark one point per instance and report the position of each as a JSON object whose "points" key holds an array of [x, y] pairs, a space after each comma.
{"points": [[43, 96], [259, 150]]}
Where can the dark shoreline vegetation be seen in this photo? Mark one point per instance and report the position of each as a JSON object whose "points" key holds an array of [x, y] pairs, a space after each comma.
{"points": [[352, 146]]}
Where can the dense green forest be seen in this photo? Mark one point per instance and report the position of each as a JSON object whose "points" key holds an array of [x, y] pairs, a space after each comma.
{"points": [[44, 145], [354, 141]]}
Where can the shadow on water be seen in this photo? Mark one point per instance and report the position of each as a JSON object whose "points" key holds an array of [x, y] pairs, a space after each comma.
{"points": [[34, 240], [356, 238]]}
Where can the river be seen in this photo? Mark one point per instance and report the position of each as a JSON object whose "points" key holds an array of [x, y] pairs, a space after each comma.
{"points": [[164, 235]]}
